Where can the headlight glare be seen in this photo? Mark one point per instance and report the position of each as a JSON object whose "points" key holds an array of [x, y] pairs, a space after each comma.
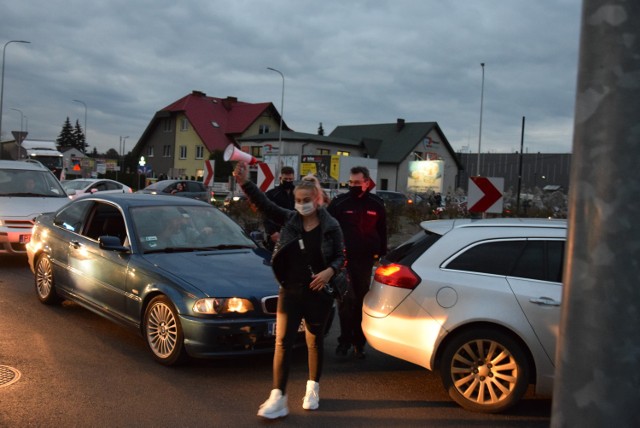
{"points": [[217, 306]]}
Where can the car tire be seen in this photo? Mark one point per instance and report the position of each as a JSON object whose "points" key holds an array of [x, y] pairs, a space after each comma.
{"points": [[163, 332], [484, 370], [44, 281]]}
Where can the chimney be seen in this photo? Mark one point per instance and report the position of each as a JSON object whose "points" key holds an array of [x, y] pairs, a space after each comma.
{"points": [[228, 102], [399, 124], [198, 93]]}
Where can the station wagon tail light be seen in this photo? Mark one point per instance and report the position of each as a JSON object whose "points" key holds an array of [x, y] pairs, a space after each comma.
{"points": [[396, 275], [217, 306]]}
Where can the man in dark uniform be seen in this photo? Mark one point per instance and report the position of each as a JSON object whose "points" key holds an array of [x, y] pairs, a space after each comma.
{"points": [[363, 219], [282, 195]]}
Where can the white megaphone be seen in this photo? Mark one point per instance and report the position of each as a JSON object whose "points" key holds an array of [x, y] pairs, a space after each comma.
{"points": [[232, 153]]}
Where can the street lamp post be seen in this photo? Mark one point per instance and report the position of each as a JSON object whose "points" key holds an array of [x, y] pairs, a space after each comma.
{"points": [[21, 118], [280, 147], [4, 51], [85, 124], [121, 147], [21, 134], [480, 133]]}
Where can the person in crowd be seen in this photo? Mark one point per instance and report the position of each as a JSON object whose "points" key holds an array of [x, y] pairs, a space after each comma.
{"points": [[309, 252], [363, 220], [179, 188], [283, 196]]}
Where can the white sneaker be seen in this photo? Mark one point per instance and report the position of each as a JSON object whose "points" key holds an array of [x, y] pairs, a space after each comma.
{"points": [[311, 400], [275, 406]]}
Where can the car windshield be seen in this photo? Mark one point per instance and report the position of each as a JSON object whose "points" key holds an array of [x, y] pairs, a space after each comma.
{"points": [[186, 228], [75, 184], [29, 183]]}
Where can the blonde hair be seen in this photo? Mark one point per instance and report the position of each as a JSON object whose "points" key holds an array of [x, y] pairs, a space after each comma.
{"points": [[311, 181]]}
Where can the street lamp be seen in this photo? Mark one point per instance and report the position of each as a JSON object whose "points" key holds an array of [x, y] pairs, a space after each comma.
{"points": [[19, 139], [21, 117], [280, 147], [4, 51], [85, 124], [121, 147], [480, 133]]}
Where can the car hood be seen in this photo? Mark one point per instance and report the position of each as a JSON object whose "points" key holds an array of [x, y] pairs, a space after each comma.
{"points": [[15, 206], [220, 273]]}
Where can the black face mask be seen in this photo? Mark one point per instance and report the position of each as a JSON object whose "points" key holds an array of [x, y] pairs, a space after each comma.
{"points": [[287, 185], [355, 191]]}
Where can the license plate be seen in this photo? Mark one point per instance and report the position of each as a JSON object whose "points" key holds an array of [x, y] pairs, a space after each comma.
{"points": [[24, 239], [271, 328]]}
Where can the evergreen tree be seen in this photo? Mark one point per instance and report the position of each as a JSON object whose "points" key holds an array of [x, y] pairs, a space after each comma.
{"points": [[66, 137], [80, 138], [222, 169], [320, 129], [94, 153], [112, 154]]}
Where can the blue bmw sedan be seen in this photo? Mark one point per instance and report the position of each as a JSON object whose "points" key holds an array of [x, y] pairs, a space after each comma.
{"points": [[177, 270]]}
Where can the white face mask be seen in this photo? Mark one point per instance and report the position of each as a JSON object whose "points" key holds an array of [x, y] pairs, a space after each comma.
{"points": [[305, 209]]}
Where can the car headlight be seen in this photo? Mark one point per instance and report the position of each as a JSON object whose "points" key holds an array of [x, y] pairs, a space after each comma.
{"points": [[222, 305]]}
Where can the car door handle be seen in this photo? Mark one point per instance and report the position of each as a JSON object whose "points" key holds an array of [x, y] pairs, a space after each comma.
{"points": [[74, 244], [548, 301]]}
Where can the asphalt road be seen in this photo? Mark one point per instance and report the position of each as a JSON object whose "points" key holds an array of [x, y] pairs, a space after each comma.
{"points": [[79, 370]]}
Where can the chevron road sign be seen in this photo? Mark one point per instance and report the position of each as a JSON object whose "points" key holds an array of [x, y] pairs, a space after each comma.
{"points": [[485, 194]]}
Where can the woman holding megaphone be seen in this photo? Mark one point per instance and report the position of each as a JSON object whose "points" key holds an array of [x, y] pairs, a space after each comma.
{"points": [[307, 255]]}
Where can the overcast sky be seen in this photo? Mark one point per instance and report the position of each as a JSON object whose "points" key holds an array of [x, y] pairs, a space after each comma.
{"points": [[345, 62]]}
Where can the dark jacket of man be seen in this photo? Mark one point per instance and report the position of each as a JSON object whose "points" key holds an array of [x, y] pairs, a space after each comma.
{"points": [[283, 199], [364, 224]]}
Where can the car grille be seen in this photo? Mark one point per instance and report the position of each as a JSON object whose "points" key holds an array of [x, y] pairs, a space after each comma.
{"points": [[270, 304]]}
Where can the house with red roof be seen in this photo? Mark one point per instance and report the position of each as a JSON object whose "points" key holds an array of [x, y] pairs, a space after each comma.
{"points": [[182, 135]]}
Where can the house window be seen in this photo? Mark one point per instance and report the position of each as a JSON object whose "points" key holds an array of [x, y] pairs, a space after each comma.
{"points": [[256, 151], [199, 152], [323, 151], [183, 152], [343, 153], [166, 125], [263, 129], [150, 151], [184, 124], [166, 151]]}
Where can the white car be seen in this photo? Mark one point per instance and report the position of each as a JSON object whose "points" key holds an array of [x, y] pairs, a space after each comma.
{"points": [[476, 300], [83, 186], [27, 189]]}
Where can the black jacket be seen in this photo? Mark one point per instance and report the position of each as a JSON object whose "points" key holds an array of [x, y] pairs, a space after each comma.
{"points": [[364, 224], [281, 198], [332, 246]]}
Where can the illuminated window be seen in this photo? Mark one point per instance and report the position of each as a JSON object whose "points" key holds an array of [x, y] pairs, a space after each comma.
{"points": [[343, 153], [323, 151], [256, 151]]}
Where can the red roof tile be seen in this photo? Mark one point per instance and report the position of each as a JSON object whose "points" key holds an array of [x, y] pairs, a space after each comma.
{"points": [[231, 116]]}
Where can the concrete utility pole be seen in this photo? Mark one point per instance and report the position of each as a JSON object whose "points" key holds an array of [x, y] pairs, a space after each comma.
{"points": [[597, 380]]}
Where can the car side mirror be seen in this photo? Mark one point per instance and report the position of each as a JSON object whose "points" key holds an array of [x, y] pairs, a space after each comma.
{"points": [[257, 236], [71, 192], [111, 243]]}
